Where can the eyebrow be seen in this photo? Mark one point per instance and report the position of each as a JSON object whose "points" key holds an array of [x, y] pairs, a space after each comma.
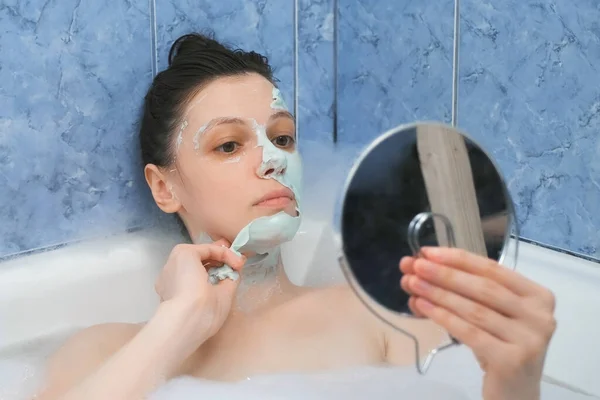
{"points": [[282, 114], [220, 121], [241, 121]]}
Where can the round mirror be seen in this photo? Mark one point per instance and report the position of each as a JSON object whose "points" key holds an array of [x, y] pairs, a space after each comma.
{"points": [[424, 184]]}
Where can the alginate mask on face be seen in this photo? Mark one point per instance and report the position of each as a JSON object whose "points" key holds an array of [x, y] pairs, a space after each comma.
{"points": [[264, 235], [278, 102]]}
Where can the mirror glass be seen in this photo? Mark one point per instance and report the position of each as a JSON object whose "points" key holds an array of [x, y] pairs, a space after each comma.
{"points": [[424, 184]]}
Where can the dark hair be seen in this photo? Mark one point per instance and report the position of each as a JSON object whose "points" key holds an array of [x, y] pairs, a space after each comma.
{"points": [[195, 60]]}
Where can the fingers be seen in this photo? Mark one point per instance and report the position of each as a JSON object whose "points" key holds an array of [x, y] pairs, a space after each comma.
{"points": [[413, 307], [534, 310], [210, 253], [501, 315], [222, 243], [228, 287], [220, 254], [480, 341], [480, 289], [468, 310], [404, 284], [474, 264], [406, 265], [407, 269], [212, 263]]}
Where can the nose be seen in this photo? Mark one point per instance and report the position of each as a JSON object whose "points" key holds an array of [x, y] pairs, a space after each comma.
{"points": [[273, 164]]}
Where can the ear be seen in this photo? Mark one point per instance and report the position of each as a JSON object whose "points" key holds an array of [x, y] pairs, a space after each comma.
{"points": [[161, 189]]}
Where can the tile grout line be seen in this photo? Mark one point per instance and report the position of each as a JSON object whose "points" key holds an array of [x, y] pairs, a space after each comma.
{"points": [[153, 50], [455, 62], [334, 105], [296, 50]]}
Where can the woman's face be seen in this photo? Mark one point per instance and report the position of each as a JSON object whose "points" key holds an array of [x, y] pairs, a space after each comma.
{"points": [[235, 147]]}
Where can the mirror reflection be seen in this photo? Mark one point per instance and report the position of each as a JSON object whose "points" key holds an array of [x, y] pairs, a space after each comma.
{"points": [[415, 169]]}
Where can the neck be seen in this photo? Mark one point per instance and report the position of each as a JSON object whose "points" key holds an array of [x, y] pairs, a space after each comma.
{"points": [[263, 283]]}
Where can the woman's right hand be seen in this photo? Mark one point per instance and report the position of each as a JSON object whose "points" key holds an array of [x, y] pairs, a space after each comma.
{"points": [[184, 281]]}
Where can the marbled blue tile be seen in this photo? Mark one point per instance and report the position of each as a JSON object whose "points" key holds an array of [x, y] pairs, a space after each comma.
{"points": [[72, 78], [315, 70], [259, 25], [394, 65], [529, 93]]}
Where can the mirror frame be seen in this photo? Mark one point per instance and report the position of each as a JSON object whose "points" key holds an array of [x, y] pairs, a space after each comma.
{"points": [[372, 305]]}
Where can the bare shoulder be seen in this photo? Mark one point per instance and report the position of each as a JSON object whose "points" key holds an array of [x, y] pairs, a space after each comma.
{"points": [[344, 295], [343, 301], [387, 328], [83, 352], [340, 294], [343, 305]]}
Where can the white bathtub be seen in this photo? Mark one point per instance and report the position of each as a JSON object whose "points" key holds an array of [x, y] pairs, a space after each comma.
{"points": [[47, 295]]}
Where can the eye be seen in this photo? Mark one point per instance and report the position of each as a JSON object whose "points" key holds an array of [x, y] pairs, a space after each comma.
{"points": [[283, 141], [228, 147]]}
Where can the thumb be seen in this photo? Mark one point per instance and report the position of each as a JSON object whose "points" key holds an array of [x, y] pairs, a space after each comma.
{"points": [[227, 288], [222, 242]]}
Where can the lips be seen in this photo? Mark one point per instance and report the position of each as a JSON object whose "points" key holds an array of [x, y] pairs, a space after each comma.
{"points": [[276, 198]]}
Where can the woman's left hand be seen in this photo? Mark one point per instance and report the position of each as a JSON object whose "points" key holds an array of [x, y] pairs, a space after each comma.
{"points": [[505, 318]]}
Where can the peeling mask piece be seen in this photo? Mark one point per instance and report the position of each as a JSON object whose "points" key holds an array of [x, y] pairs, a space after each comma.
{"points": [[217, 274], [197, 135], [184, 125], [264, 235], [278, 102], [283, 166]]}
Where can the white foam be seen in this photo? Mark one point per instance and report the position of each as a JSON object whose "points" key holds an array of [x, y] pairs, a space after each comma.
{"points": [[454, 375], [20, 377], [356, 383]]}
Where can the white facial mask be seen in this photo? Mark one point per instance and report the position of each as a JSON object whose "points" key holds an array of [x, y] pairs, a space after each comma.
{"points": [[184, 125], [278, 102], [264, 235]]}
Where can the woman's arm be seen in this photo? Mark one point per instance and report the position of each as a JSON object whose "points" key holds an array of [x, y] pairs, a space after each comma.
{"points": [[192, 310], [107, 363]]}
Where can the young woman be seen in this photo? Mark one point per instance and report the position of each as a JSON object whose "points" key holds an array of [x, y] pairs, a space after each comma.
{"points": [[218, 144]]}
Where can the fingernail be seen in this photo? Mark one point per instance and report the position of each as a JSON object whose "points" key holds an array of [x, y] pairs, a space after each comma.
{"points": [[424, 304], [404, 282], [420, 285], [424, 266]]}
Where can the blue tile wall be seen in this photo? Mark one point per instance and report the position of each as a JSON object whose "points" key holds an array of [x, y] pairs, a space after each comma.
{"points": [[530, 93], [316, 76], [394, 65], [73, 75], [259, 25], [72, 78]]}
